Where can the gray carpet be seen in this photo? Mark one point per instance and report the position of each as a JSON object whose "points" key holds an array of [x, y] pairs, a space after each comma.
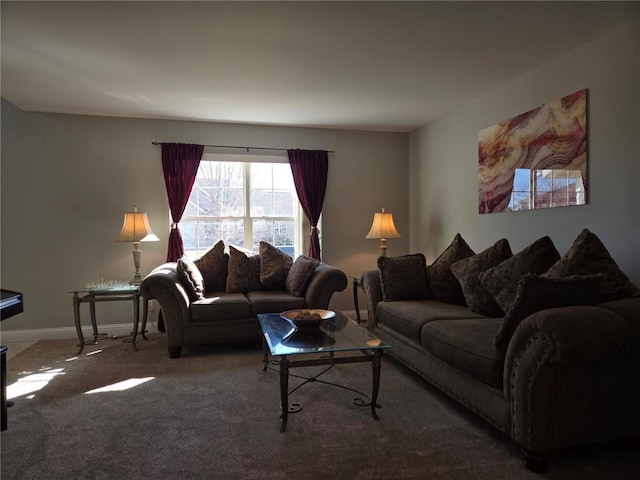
{"points": [[214, 414]]}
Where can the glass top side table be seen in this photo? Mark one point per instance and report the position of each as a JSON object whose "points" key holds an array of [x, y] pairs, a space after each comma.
{"points": [[92, 295]]}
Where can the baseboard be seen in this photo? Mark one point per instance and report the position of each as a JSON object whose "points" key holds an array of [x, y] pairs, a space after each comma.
{"points": [[115, 329]]}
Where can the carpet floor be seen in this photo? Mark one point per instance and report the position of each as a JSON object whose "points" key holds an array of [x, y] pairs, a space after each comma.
{"points": [[113, 413]]}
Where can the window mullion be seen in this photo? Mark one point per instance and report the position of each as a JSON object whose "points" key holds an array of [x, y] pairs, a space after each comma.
{"points": [[248, 222]]}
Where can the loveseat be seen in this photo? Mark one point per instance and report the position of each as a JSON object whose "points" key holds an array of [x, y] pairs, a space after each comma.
{"points": [[545, 348], [216, 298]]}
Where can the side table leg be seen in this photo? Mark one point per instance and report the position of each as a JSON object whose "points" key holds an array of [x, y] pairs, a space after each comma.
{"points": [[375, 363], [136, 319], [76, 318], [145, 314], [94, 324], [355, 298], [284, 391]]}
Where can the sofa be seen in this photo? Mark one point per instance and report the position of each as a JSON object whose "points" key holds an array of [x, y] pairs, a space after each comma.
{"points": [[217, 297], [545, 348]]}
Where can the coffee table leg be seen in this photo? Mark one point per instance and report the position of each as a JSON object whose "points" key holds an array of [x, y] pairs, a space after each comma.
{"points": [[136, 319], [284, 391], [376, 361]]}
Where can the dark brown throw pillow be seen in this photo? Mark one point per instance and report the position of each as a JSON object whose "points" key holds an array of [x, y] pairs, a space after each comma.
{"points": [[535, 293], [467, 271], [501, 281], [213, 265], [244, 272], [404, 278], [190, 278], [441, 282], [274, 266], [300, 275], [588, 255]]}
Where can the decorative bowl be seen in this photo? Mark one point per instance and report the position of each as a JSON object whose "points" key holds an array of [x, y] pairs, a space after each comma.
{"points": [[307, 317]]}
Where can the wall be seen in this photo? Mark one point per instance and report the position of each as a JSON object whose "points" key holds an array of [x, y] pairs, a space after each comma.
{"points": [[68, 179], [443, 158]]}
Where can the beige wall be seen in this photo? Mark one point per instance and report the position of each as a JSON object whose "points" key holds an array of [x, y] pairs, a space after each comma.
{"points": [[443, 157], [68, 179]]}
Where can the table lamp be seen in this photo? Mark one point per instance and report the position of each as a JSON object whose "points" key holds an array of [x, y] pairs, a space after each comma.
{"points": [[136, 229], [383, 228]]}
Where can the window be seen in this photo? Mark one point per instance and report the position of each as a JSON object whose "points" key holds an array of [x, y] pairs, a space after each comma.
{"points": [[242, 199], [546, 188]]}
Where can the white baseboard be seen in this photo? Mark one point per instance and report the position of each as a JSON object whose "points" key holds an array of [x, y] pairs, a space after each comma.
{"points": [[116, 329]]}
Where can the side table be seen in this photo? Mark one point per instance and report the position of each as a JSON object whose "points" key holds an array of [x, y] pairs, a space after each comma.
{"points": [[94, 295]]}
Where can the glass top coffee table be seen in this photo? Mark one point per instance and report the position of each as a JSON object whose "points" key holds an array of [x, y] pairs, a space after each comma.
{"points": [[336, 341]]}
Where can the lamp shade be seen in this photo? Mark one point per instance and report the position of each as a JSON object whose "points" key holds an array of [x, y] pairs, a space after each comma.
{"points": [[135, 228], [383, 226]]}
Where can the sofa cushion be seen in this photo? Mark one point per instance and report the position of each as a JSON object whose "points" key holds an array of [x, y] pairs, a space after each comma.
{"points": [[535, 293], [269, 301], [213, 266], [300, 274], [501, 281], [274, 266], [442, 283], [220, 306], [244, 272], [467, 271], [588, 255], [404, 278], [190, 278], [407, 317], [467, 345]]}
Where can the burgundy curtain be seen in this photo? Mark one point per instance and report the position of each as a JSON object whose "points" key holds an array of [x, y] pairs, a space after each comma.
{"points": [[180, 163], [310, 168]]}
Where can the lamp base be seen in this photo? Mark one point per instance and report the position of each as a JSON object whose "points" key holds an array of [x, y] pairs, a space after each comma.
{"points": [[135, 281]]}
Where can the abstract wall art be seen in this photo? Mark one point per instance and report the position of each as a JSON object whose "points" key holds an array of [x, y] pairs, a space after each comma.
{"points": [[535, 160]]}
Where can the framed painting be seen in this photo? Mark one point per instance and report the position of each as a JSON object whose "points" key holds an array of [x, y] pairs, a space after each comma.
{"points": [[535, 160]]}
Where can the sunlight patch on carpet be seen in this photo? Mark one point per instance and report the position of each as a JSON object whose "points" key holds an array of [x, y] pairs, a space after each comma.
{"points": [[120, 386], [33, 382]]}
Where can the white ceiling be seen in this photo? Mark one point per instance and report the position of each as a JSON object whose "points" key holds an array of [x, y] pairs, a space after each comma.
{"points": [[365, 65]]}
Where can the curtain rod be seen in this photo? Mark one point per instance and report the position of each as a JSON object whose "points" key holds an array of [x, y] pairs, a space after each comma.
{"points": [[244, 148]]}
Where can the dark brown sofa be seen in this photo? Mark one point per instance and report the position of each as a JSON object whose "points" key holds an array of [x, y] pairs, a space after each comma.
{"points": [[227, 311], [567, 374]]}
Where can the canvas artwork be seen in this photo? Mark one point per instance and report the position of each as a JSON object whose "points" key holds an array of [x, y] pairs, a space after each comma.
{"points": [[535, 160]]}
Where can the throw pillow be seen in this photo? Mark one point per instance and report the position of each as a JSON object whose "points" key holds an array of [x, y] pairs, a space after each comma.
{"points": [[191, 278], [274, 266], [467, 271], [535, 293], [501, 281], [244, 272], [300, 275], [404, 278], [441, 282], [588, 255], [213, 265]]}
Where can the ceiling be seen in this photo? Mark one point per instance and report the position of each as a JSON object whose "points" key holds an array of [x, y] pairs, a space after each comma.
{"points": [[390, 66]]}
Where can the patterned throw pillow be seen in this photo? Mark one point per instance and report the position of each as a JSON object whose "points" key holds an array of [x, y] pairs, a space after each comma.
{"points": [[213, 265], [274, 266], [501, 281], [300, 275], [467, 271], [587, 256], [535, 293], [404, 278], [442, 283], [244, 272], [191, 278]]}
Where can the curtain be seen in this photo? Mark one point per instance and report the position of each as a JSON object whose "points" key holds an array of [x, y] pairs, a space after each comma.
{"points": [[310, 168], [180, 163]]}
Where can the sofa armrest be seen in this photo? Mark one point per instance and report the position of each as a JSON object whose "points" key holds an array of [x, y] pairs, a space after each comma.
{"points": [[572, 376], [163, 284], [325, 281], [372, 287]]}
